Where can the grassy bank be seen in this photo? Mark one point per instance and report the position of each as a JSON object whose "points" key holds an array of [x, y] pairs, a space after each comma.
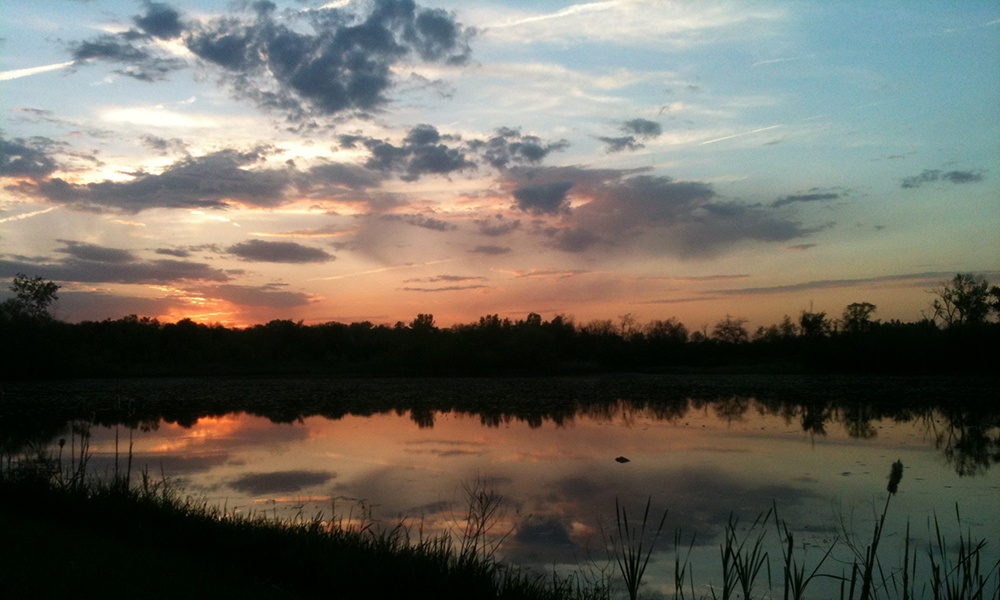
{"points": [[82, 537]]}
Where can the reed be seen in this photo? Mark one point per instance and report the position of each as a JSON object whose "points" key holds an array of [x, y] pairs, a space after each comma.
{"points": [[627, 548]]}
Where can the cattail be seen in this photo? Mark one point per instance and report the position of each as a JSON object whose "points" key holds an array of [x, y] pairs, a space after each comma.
{"points": [[895, 476]]}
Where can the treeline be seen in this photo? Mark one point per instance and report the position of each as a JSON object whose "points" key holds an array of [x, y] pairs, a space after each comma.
{"points": [[961, 335]]}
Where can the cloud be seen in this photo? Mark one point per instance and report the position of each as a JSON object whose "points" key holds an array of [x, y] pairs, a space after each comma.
{"points": [[280, 482], [26, 158], [178, 252], [451, 288], [95, 253], [278, 252], [92, 263], [306, 63], [626, 211], [497, 226], [134, 49], [508, 146], [421, 221], [269, 295], [922, 280], [422, 153], [543, 198], [619, 144], [572, 240], [210, 181], [160, 21], [815, 197], [634, 130], [426, 151], [934, 175], [326, 61], [338, 179], [446, 278], [491, 250]]}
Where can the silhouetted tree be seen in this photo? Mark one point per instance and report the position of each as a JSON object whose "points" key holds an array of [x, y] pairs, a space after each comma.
{"points": [[32, 297], [857, 317], [670, 330], [814, 324], [731, 330], [783, 331], [966, 301], [423, 323]]}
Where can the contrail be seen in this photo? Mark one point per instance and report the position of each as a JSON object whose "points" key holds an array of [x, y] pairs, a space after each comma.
{"points": [[383, 270], [736, 135], [576, 9], [28, 215], [18, 73]]}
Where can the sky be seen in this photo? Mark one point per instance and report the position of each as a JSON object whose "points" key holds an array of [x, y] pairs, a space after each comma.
{"points": [[238, 162]]}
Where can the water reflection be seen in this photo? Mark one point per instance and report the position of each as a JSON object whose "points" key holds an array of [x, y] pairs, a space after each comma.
{"points": [[817, 449]]}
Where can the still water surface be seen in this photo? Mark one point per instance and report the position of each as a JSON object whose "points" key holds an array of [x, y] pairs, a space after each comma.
{"points": [[704, 454]]}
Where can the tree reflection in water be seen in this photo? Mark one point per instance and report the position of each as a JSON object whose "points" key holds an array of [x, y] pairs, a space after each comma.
{"points": [[963, 425]]}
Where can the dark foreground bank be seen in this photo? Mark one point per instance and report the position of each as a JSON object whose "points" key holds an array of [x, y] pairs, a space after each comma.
{"points": [[75, 538]]}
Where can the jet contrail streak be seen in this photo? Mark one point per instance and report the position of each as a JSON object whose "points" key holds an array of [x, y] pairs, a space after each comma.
{"points": [[736, 135], [383, 270], [18, 73], [28, 215]]}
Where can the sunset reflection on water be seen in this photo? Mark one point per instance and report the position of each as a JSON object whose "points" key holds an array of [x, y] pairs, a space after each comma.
{"points": [[560, 481]]}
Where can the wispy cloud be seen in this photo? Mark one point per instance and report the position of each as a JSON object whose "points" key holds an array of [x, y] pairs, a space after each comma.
{"points": [[908, 279]]}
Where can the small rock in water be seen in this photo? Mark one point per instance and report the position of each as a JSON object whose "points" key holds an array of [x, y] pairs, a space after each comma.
{"points": [[621, 459]]}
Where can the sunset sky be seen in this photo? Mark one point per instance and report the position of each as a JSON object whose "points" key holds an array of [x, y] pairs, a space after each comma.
{"points": [[237, 162]]}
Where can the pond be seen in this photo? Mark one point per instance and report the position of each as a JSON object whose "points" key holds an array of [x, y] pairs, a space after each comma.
{"points": [[560, 454]]}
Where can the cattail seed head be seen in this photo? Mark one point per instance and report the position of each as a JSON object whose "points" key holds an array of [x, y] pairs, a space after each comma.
{"points": [[895, 475]]}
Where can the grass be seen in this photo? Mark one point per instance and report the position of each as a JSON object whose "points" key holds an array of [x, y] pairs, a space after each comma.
{"points": [[947, 570]]}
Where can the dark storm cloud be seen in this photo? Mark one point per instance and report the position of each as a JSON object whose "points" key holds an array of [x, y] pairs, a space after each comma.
{"points": [[508, 146], [634, 131], [278, 252], [815, 197], [271, 295], [543, 198], [26, 158], [280, 482], [421, 221], [204, 182], [424, 151], [491, 250], [934, 175]]}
